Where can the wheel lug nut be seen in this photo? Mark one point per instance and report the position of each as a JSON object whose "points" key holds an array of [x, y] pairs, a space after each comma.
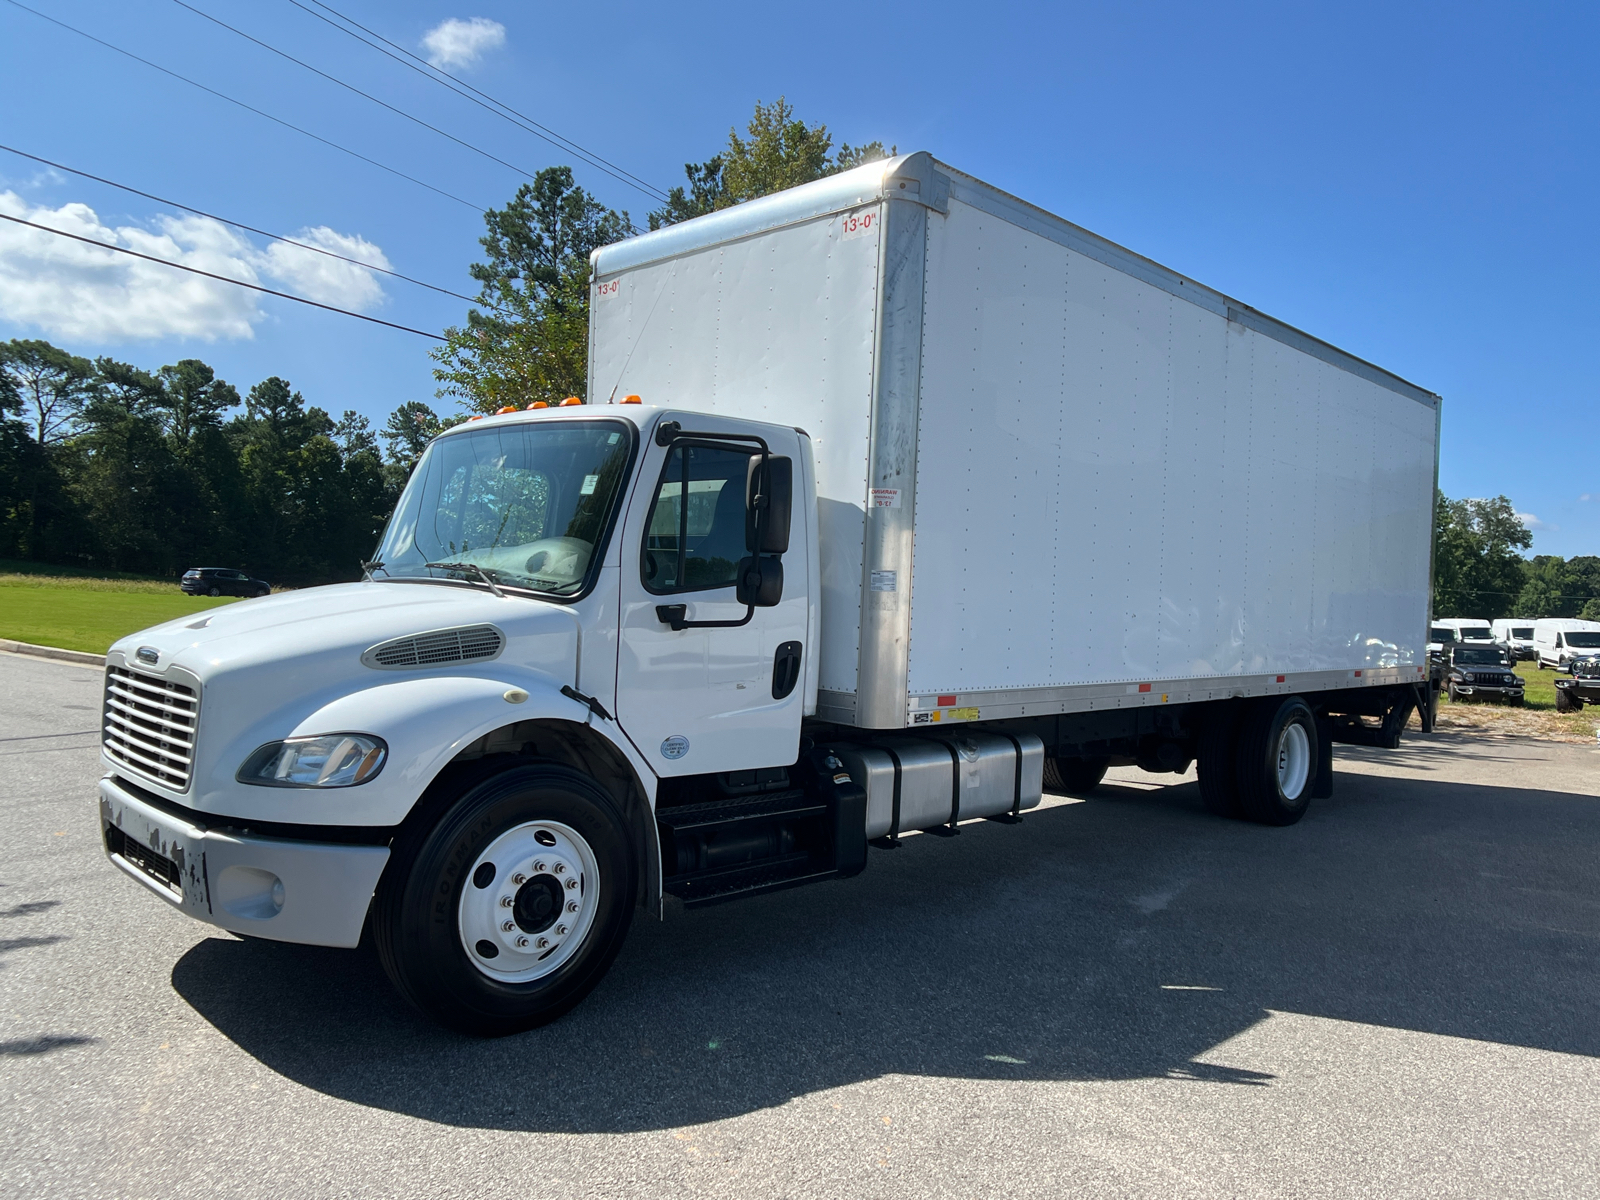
{"points": [[572, 883], [505, 901], [522, 942], [561, 868], [507, 926], [561, 930], [538, 867], [572, 906], [519, 879], [543, 942]]}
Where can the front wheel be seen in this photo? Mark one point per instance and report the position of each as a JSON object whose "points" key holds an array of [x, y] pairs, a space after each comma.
{"points": [[214, 592], [1566, 702], [509, 910], [1277, 761]]}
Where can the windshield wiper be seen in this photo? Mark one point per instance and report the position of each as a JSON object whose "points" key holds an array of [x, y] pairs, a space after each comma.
{"points": [[367, 568], [469, 566]]}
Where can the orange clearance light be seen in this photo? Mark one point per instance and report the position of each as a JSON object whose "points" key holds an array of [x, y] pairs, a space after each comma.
{"points": [[479, 417], [508, 408], [537, 404], [569, 401], [632, 400]]}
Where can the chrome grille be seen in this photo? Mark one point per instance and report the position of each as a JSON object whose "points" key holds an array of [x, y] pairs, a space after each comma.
{"points": [[468, 643], [148, 726]]}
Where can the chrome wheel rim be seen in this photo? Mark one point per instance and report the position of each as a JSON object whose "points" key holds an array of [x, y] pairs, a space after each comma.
{"points": [[529, 901], [1294, 760]]}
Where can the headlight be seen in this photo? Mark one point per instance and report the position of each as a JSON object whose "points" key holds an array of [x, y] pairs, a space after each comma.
{"points": [[331, 760]]}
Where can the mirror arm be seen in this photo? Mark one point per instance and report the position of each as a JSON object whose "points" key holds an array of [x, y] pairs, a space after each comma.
{"points": [[674, 614]]}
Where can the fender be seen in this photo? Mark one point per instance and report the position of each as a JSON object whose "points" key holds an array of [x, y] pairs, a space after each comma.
{"points": [[427, 722]]}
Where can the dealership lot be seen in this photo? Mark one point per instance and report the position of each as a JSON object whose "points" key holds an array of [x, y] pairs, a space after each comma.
{"points": [[1400, 997]]}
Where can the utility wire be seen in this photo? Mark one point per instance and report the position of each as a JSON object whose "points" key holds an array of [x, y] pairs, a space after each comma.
{"points": [[498, 107], [523, 171], [200, 212], [248, 107], [255, 287]]}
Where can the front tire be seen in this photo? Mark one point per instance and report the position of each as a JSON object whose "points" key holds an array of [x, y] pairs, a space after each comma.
{"points": [[1074, 776], [467, 915], [1277, 761], [1566, 702], [214, 592]]}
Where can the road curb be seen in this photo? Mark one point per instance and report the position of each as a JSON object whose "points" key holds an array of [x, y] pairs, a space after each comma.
{"points": [[82, 657]]}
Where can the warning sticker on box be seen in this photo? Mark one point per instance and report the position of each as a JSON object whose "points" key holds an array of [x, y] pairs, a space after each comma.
{"points": [[885, 581], [885, 497]]}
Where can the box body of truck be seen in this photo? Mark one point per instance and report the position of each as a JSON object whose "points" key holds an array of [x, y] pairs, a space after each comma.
{"points": [[1052, 476]]}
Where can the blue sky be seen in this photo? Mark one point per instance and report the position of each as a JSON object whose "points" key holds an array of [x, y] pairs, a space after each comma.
{"points": [[1413, 183]]}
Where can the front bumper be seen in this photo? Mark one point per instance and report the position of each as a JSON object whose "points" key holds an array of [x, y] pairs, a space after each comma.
{"points": [[289, 891], [1487, 689]]}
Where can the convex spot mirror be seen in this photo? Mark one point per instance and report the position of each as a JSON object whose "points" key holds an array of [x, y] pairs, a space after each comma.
{"points": [[768, 493], [760, 582]]}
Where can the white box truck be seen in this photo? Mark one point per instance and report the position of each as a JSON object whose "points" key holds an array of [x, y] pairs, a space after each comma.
{"points": [[895, 500]]}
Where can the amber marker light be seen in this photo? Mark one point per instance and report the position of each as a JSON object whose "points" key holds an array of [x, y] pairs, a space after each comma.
{"points": [[538, 404], [632, 400], [570, 401]]}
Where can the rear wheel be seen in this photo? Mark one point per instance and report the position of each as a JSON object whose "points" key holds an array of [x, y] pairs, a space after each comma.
{"points": [[1074, 776], [1276, 762], [510, 909], [214, 592]]}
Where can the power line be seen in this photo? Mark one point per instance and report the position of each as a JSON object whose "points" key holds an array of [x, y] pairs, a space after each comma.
{"points": [[510, 166], [247, 107], [200, 212], [255, 287], [461, 88]]}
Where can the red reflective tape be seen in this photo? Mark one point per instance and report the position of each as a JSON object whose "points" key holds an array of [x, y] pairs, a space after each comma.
{"points": [[946, 701], [1144, 687], [1280, 678], [1358, 674]]}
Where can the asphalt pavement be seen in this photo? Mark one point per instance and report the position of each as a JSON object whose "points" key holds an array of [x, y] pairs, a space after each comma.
{"points": [[1123, 996]]}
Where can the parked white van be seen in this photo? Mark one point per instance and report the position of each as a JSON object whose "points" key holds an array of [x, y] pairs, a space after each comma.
{"points": [[1516, 635], [1559, 640], [1468, 629]]}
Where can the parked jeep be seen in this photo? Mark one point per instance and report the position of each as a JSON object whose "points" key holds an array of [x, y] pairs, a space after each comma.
{"points": [[1482, 672], [1584, 686]]}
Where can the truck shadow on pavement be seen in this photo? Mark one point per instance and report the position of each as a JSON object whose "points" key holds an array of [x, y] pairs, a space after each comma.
{"points": [[1128, 936]]}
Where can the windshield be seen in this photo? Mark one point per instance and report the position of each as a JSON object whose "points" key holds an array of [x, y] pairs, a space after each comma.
{"points": [[1583, 641], [527, 503], [1437, 634], [1522, 631], [1480, 633], [1473, 656]]}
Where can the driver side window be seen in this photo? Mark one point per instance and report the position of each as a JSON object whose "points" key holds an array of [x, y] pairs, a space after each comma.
{"points": [[695, 534]]}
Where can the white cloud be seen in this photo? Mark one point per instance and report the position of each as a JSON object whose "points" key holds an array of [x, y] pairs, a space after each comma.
{"points": [[1533, 522], [458, 43], [75, 291], [1586, 496]]}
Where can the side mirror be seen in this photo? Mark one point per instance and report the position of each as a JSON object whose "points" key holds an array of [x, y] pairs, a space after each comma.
{"points": [[760, 582], [768, 495]]}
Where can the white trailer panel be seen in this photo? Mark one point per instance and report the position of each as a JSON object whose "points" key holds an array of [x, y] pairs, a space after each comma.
{"points": [[1052, 475]]}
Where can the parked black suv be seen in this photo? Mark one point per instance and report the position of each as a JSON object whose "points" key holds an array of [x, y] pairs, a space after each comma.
{"points": [[1482, 671], [221, 581], [1583, 688]]}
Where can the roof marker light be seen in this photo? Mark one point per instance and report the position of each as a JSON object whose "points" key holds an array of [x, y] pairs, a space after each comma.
{"points": [[537, 404], [500, 412], [632, 400], [569, 401]]}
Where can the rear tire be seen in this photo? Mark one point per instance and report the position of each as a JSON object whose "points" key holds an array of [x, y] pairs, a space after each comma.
{"points": [[1276, 762], [446, 886], [1217, 752], [214, 592], [1074, 776]]}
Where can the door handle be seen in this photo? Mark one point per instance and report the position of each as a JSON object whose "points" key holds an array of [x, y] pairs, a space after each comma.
{"points": [[785, 669]]}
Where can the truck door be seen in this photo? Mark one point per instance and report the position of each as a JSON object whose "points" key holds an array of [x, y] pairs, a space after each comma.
{"points": [[702, 700]]}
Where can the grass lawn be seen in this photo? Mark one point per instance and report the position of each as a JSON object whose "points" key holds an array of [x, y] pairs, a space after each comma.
{"points": [[84, 613]]}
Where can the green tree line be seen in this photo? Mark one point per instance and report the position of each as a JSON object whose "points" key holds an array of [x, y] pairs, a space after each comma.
{"points": [[1478, 570]]}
